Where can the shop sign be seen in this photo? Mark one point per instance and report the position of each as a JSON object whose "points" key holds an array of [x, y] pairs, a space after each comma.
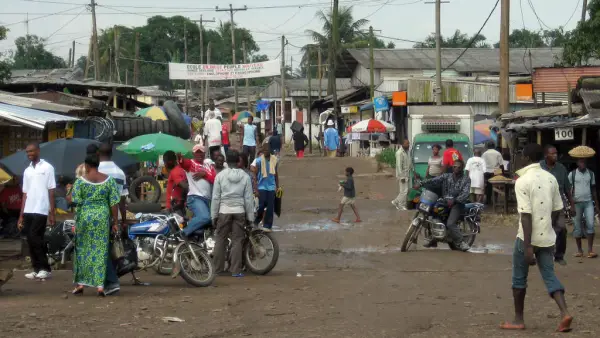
{"points": [[381, 103], [56, 134], [563, 134], [349, 109]]}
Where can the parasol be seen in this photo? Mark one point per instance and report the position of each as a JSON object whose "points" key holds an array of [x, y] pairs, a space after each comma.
{"points": [[154, 113], [150, 146], [371, 126]]}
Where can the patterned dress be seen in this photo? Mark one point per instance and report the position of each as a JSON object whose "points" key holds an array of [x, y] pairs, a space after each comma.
{"points": [[92, 229]]}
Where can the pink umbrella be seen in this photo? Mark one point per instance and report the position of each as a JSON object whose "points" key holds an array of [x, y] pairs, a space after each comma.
{"points": [[371, 126]]}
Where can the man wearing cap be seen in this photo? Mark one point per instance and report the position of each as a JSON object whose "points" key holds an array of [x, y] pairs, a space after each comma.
{"points": [[200, 173], [332, 139]]}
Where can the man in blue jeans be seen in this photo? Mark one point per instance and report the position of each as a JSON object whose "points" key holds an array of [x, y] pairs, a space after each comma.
{"points": [[583, 186], [539, 204], [266, 168]]}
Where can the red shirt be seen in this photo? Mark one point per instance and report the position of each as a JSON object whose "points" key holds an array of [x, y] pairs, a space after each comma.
{"points": [[451, 155], [224, 134], [174, 191], [11, 198]]}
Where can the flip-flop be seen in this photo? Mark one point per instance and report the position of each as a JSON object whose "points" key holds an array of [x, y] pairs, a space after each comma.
{"points": [[592, 255], [579, 254], [511, 326], [565, 324], [335, 220]]}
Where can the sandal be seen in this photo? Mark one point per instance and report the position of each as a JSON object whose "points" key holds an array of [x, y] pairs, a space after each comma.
{"points": [[77, 291], [335, 220], [592, 255], [579, 254], [101, 293], [565, 324], [511, 326]]}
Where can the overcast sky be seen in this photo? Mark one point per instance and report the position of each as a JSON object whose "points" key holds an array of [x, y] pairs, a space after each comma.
{"points": [[404, 19]]}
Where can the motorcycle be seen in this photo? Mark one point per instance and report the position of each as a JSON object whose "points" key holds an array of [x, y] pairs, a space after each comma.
{"points": [[159, 243], [431, 217], [59, 243]]}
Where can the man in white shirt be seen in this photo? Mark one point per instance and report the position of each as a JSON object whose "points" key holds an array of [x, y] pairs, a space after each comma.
{"points": [[212, 109], [402, 175], [212, 131], [539, 204], [37, 209], [109, 168], [493, 161], [476, 168]]}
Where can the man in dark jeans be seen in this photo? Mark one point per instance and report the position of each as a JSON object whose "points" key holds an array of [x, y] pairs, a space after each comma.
{"points": [[456, 191], [550, 164], [266, 168]]}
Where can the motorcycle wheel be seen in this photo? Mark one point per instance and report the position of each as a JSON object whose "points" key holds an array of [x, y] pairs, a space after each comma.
{"points": [[411, 235], [267, 251], [465, 227], [202, 274]]}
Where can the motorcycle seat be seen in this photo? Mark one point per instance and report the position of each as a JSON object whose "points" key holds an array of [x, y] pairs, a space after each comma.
{"points": [[470, 206]]}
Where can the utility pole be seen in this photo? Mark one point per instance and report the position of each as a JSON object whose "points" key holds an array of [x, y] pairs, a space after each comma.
{"points": [[248, 103], [70, 56], [201, 31], [95, 41], [438, 50], [371, 65], [309, 102], [335, 37], [110, 72], [584, 10], [185, 51], [73, 58], [231, 10], [504, 103], [117, 43], [136, 65], [320, 70], [208, 63], [87, 60], [282, 112]]}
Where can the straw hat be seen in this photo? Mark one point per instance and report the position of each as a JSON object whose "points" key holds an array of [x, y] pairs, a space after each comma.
{"points": [[582, 152]]}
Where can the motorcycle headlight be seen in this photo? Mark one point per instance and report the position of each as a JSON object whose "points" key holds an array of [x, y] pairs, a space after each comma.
{"points": [[424, 207]]}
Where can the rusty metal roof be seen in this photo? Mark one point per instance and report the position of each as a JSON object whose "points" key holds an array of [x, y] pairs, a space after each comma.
{"points": [[557, 79], [31, 117], [38, 104]]}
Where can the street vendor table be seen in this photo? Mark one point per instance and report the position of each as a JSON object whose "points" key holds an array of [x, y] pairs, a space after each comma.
{"points": [[502, 188]]}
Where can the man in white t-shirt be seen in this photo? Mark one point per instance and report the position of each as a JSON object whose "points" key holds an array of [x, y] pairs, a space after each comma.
{"points": [[37, 209], [212, 109], [212, 131], [493, 161], [476, 168]]}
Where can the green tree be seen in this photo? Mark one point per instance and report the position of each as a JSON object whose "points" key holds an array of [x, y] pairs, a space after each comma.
{"points": [[31, 54], [4, 63], [524, 38], [582, 43], [457, 40]]}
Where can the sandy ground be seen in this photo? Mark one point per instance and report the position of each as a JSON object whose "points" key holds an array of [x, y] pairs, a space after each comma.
{"points": [[332, 280]]}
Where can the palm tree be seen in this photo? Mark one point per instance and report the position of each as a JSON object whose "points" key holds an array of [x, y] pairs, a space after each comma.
{"points": [[457, 40]]}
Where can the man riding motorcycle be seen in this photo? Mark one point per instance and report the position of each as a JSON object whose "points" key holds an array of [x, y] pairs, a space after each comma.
{"points": [[455, 190]]}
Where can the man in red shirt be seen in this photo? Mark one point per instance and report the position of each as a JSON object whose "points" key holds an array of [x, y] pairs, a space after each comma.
{"points": [[177, 185], [224, 136], [450, 155]]}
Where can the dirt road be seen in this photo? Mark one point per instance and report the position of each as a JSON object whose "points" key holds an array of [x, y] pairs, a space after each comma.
{"points": [[346, 280]]}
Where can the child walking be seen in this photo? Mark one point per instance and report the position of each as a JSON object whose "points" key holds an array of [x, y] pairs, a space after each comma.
{"points": [[349, 196]]}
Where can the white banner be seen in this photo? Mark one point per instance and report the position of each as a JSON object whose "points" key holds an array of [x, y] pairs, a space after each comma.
{"points": [[187, 71]]}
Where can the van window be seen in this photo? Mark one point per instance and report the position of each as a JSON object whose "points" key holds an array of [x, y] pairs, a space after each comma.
{"points": [[422, 151]]}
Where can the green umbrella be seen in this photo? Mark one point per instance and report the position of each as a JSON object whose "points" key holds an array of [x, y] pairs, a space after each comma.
{"points": [[150, 146]]}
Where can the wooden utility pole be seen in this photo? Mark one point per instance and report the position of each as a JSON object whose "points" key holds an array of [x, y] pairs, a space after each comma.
{"points": [[248, 102], [320, 70], [371, 65], [70, 56], [117, 43], [73, 58], [309, 102], [185, 53], [208, 63], [504, 103], [110, 72], [95, 42], [333, 61], [201, 31], [136, 64], [87, 60], [584, 10], [438, 53], [231, 10], [282, 111]]}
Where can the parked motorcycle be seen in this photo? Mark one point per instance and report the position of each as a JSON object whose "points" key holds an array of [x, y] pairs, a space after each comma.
{"points": [[59, 243], [431, 217]]}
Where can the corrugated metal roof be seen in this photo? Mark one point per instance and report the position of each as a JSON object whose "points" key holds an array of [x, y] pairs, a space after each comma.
{"points": [[28, 102], [31, 117], [302, 84], [473, 60], [557, 79], [576, 109]]}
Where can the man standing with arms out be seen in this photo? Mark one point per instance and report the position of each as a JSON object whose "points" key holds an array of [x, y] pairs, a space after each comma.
{"points": [[109, 168], [212, 110], [455, 191], [450, 155], [232, 205], [177, 185], [402, 175], [493, 161], [331, 139], [200, 173], [266, 169], [551, 165], [37, 209], [584, 193], [475, 169], [212, 131], [539, 204], [249, 139]]}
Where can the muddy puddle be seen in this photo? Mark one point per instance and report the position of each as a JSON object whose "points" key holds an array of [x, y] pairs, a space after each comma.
{"points": [[319, 225]]}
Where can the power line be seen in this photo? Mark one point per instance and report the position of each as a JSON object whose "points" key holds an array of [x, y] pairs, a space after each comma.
{"points": [[572, 14], [41, 17], [63, 26], [473, 38], [542, 23]]}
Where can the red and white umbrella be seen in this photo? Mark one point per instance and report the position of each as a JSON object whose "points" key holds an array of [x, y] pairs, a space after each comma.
{"points": [[371, 126]]}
